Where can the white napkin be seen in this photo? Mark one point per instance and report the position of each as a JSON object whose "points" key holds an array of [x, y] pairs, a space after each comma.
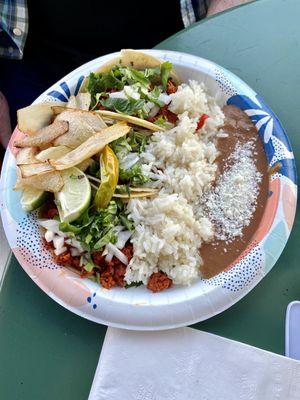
{"points": [[186, 364]]}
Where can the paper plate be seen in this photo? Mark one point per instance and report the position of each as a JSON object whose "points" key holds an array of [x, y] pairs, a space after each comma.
{"points": [[138, 308]]}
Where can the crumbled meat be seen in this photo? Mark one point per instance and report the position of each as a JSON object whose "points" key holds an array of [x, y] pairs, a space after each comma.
{"points": [[165, 112], [112, 273], [171, 87], [128, 251], [119, 273], [159, 281], [47, 245], [98, 259], [67, 260], [106, 276]]}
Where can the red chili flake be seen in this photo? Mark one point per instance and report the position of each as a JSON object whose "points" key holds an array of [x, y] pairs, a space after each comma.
{"points": [[201, 121]]}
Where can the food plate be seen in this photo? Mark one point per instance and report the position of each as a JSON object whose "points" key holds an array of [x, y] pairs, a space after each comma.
{"points": [[138, 308]]}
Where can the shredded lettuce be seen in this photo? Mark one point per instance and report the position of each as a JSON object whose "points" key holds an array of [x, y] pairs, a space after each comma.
{"points": [[165, 70], [119, 76], [125, 106], [95, 228], [133, 176]]}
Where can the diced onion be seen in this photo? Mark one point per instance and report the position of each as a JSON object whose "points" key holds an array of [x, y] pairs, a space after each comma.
{"points": [[117, 253], [58, 242], [164, 98], [154, 110], [75, 243], [122, 239], [129, 161], [118, 95], [57, 252], [49, 236], [109, 257], [51, 225], [74, 252], [130, 92]]}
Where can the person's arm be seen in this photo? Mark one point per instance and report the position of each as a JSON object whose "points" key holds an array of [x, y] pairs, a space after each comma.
{"points": [[13, 28]]}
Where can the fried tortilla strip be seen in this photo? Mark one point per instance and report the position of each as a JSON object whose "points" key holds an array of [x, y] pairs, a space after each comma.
{"points": [[49, 182], [83, 166], [91, 146], [134, 195], [52, 153], [35, 117], [35, 169], [82, 101], [91, 117], [27, 155], [143, 189], [44, 136], [82, 125], [130, 120]]}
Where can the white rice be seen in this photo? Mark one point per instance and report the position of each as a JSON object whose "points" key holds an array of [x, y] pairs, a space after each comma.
{"points": [[167, 234], [167, 238]]}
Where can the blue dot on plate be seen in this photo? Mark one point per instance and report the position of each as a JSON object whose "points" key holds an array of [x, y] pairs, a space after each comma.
{"points": [[89, 299], [94, 306]]}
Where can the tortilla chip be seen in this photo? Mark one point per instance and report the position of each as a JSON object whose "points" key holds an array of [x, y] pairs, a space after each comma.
{"points": [[131, 120], [52, 153], [35, 169], [35, 117], [26, 155], [83, 166], [44, 136], [82, 101], [91, 117], [49, 182], [82, 125], [91, 146]]}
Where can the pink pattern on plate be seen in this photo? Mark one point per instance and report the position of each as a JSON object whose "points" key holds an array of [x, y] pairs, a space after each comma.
{"points": [[63, 283], [17, 134], [289, 204]]}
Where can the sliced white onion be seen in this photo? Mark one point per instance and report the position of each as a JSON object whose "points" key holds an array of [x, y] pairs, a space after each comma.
{"points": [[164, 98], [109, 257], [75, 243], [118, 95], [118, 228], [117, 253], [49, 236], [51, 225], [129, 161], [60, 251], [130, 92], [122, 239], [154, 110], [74, 252], [58, 242]]}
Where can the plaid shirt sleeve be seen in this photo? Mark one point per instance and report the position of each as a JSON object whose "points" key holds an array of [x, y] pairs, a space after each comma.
{"points": [[13, 28], [193, 10]]}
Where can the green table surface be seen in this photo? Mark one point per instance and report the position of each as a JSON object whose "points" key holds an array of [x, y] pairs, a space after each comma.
{"points": [[48, 353]]}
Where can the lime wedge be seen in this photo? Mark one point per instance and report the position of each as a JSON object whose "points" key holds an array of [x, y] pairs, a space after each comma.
{"points": [[75, 196], [32, 199]]}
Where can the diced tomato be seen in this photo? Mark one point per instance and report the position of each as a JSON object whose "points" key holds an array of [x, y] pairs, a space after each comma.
{"points": [[201, 121]]}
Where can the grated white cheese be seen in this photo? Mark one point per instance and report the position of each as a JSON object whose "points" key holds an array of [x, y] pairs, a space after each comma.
{"points": [[232, 202]]}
